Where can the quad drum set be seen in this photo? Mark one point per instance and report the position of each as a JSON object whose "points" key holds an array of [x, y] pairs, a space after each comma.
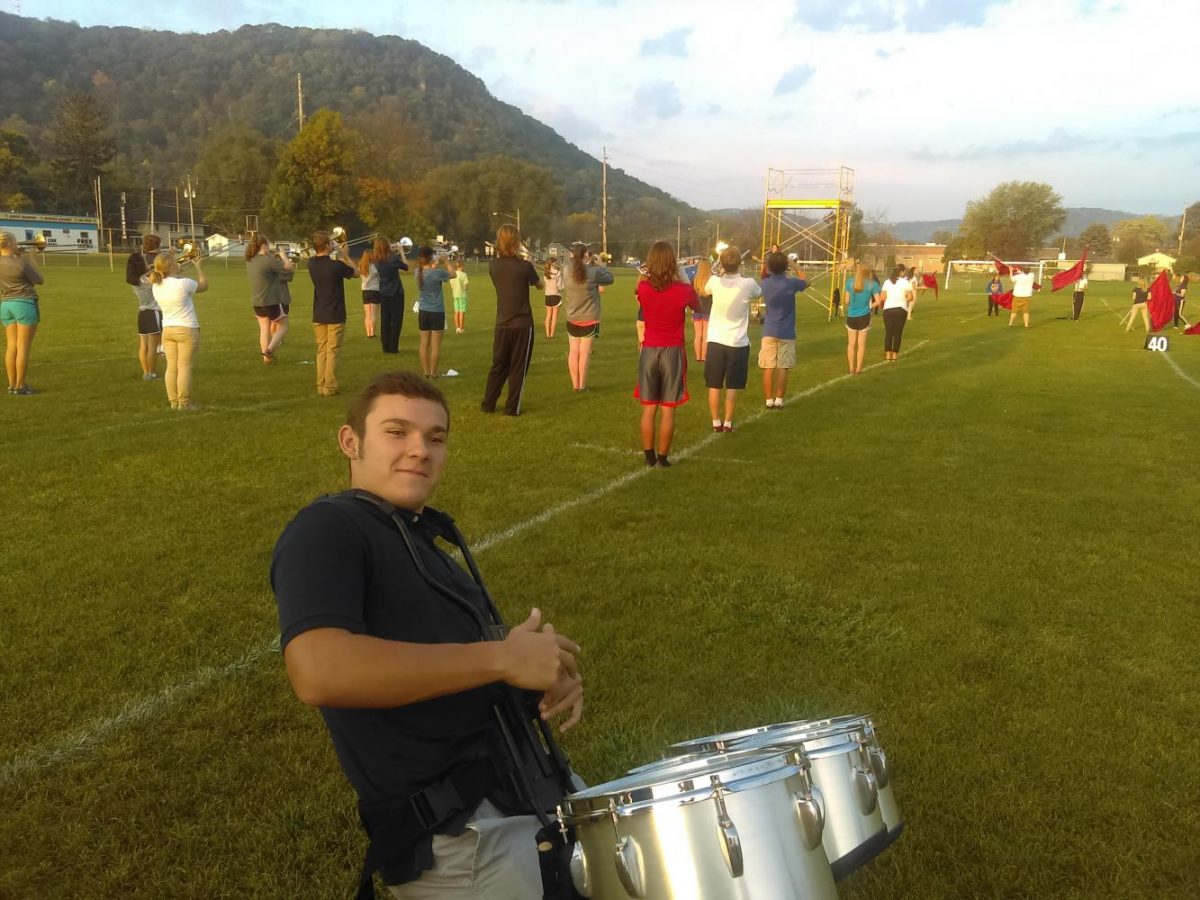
{"points": [[779, 812]]}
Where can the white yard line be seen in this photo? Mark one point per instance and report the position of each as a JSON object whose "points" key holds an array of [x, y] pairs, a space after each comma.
{"points": [[137, 711], [1178, 371]]}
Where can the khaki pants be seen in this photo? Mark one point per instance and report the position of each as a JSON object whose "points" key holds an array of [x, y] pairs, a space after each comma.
{"points": [[180, 345], [329, 345], [496, 858]]}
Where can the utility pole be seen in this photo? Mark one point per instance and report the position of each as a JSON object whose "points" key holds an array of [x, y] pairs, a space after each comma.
{"points": [[604, 201], [300, 100], [124, 233], [1182, 226], [678, 234], [152, 209], [191, 209], [178, 227], [99, 216]]}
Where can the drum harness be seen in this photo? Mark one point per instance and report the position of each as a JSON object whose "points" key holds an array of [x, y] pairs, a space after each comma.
{"points": [[540, 776]]}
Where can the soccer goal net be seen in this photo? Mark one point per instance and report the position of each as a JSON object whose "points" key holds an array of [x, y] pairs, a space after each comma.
{"points": [[980, 271]]}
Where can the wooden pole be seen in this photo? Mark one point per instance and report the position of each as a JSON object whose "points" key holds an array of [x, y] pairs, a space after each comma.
{"points": [[110, 253], [191, 210]]}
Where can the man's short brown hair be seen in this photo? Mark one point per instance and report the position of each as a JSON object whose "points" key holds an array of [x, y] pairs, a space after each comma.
{"points": [[731, 260], [385, 384], [320, 241]]}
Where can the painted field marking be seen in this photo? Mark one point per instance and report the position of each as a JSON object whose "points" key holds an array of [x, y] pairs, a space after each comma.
{"points": [[1178, 371], [137, 711]]}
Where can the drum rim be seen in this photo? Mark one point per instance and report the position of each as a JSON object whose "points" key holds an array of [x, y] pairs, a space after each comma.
{"points": [[812, 728], [640, 801]]}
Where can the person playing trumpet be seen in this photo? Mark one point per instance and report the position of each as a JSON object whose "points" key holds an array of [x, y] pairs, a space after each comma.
{"points": [[19, 311], [266, 273], [181, 326], [137, 267]]}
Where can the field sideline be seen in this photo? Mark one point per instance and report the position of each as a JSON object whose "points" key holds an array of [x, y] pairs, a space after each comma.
{"points": [[986, 545]]}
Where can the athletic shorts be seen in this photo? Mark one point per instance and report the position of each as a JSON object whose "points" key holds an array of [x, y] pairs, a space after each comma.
{"points": [[460, 304], [431, 321], [1020, 305], [859, 323], [272, 312], [705, 310], [286, 309], [149, 321], [19, 312], [726, 367], [583, 331], [370, 297], [777, 353], [662, 376], [553, 300]]}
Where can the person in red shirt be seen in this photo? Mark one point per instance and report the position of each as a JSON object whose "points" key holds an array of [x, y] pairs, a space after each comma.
{"points": [[662, 363]]}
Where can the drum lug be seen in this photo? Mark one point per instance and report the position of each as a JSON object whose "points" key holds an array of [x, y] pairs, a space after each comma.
{"points": [[731, 843], [879, 765], [866, 790], [630, 867], [579, 871], [812, 818]]}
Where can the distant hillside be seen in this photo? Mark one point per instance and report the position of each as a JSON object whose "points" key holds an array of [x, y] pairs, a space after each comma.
{"points": [[164, 92], [1078, 218]]}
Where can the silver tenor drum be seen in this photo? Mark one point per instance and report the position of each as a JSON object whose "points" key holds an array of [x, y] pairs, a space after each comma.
{"points": [[745, 825], [851, 771]]}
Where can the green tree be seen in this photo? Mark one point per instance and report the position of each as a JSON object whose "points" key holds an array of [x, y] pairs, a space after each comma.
{"points": [[1132, 248], [232, 173], [963, 246], [15, 155], [1014, 219], [1151, 229], [81, 148], [942, 236], [312, 185], [468, 201], [1097, 237]]}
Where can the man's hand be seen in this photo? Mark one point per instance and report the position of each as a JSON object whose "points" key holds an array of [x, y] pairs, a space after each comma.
{"points": [[536, 659], [566, 695]]}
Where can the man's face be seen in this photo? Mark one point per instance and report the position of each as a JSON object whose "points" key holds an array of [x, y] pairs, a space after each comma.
{"points": [[402, 451]]}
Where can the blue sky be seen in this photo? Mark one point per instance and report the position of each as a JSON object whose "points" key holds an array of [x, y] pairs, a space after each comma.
{"points": [[931, 102]]}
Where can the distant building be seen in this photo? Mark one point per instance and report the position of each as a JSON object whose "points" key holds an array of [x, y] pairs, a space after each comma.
{"points": [[61, 232], [1157, 260], [922, 257]]}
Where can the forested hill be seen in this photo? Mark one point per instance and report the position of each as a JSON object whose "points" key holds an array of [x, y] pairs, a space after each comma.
{"points": [[163, 93]]}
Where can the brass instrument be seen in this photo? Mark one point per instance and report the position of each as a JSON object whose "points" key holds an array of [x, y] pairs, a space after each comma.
{"points": [[188, 253], [38, 243]]}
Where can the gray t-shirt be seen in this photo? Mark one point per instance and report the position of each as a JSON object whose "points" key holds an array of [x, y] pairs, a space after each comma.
{"points": [[17, 278], [264, 273], [582, 299]]}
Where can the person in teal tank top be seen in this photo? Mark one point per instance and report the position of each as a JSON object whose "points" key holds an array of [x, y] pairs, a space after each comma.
{"points": [[861, 293], [431, 308]]}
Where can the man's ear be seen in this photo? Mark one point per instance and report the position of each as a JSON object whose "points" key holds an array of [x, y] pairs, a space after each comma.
{"points": [[348, 442]]}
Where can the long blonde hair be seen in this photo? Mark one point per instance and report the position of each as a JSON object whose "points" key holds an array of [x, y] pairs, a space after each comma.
{"points": [[381, 248], [861, 276], [703, 273], [165, 265]]}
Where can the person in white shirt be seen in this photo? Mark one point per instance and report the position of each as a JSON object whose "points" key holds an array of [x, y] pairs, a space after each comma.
{"points": [[181, 326], [897, 296], [727, 360], [1022, 288], [1077, 298]]}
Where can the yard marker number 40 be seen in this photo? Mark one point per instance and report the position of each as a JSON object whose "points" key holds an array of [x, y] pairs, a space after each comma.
{"points": [[1157, 342]]}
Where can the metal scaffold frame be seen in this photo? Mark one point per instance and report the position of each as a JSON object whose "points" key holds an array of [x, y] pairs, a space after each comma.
{"points": [[807, 213]]}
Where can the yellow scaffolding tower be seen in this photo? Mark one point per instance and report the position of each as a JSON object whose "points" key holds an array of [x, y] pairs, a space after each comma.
{"points": [[807, 213]]}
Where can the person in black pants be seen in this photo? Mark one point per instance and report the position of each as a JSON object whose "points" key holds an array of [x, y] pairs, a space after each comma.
{"points": [[897, 296], [1077, 298], [1180, 299], [391, 297], [995, 289], [512, 345]]}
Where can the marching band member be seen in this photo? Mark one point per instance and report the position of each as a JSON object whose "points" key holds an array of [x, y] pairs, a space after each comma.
{"points": [[897, 294], [391, 291], [265, 272], [329, 278], [181, 325], [149, 323], [704, 272], [369, 275], [19, 311], [553, 297], [862, 296], [727, 359], [512, 342], [580, 284], [431, 277]]}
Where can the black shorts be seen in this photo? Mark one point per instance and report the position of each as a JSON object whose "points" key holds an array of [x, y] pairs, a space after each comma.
{"points": [[859, 323], [726, 367], [705, 309], [370, 297], [553, 300], [272, 312], [583, 331], [149, 321], [431, 321], [662, 376]]}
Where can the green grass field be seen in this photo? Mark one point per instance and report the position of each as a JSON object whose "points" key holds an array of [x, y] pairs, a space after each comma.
{"points": [[987, 546]]}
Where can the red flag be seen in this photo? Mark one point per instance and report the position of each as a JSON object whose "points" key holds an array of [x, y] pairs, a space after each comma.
{"points": [[1004, 299], [1162, 301], [1001, 268], [1195, 329], [930, 281], [1073, 274]]}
